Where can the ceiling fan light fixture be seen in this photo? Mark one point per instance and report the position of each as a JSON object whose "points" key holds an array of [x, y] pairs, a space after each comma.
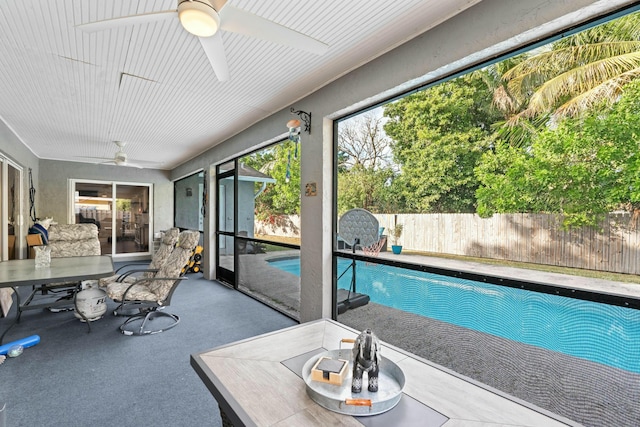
{"points": [[198, 17], [120, 159]]}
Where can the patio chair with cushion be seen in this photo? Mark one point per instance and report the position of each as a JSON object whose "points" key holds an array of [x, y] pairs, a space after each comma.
{"points": [[128, 272], [66, 240], [151, 294]]}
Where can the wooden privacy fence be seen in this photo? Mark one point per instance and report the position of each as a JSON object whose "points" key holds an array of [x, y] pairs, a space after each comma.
{"points": [[535, 238]]}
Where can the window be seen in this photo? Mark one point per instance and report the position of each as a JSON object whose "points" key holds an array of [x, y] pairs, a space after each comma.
{"points": [[495, 164]]}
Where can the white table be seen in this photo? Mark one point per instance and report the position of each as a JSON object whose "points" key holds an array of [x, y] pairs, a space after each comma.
{"points": [[18, 273], [256, 384]]}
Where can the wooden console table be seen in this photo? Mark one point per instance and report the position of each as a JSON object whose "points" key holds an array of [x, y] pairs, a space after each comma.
{"points": [[255, 383]]}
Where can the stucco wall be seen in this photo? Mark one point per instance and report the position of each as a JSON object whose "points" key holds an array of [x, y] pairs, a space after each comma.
{"points": [[54, 187]]}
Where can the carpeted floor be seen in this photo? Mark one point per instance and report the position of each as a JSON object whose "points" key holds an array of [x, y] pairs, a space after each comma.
{"points": [[589, 393], [103, 378]]}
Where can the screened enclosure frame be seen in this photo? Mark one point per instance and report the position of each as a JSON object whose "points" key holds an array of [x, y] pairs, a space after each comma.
{"points": [[240, 253], [538, 292]]}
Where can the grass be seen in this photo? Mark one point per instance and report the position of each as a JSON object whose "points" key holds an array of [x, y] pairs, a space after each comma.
{"points": [[594, 274]]}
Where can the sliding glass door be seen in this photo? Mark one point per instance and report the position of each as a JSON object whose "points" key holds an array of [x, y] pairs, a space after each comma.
{"points": [[122, 212]]}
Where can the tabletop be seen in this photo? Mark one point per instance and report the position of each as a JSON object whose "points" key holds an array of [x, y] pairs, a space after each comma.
{"points": [[257, 382], [23, 271]]}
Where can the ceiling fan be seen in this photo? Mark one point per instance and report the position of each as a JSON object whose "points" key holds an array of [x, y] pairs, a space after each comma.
{"points": [[120, 157], [203, 18]]}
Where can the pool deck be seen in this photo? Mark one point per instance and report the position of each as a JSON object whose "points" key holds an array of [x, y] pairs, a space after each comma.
{"points": [[623, 289], [285, 287], [588, 393]]}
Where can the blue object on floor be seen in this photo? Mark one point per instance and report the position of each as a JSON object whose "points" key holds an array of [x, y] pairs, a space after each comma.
{"points": [[29, 341]]}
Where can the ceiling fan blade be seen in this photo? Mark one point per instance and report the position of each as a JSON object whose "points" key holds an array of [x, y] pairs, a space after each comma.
{"points": [[239, 21], [92, 157], [133, 165], [145, 18], [214, 49], [218, 4]]}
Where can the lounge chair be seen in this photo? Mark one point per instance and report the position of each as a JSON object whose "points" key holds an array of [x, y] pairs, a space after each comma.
{"points": [[128, 272], [149, 294]]}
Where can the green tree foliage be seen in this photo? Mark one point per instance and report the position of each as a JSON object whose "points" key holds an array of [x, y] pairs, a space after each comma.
{"points": [[364, 170], [283, 196], [568, 145], [554, 130], [361, 187], [580, 168], [439, 135], [123, 205]]}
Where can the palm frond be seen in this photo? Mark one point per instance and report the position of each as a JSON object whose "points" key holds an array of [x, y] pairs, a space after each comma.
{"points": [[530, 74], [503, 101], [519, 130], [580, 80], [608, 92]]}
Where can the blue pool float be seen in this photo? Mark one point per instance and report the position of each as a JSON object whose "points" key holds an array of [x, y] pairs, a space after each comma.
{"points": [[24, 342]]}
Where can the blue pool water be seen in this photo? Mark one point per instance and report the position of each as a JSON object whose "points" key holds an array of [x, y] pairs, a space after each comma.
{"points": [[597, 332]]}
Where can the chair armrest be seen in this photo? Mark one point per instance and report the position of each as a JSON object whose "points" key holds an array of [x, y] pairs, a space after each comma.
{"points": [[150, 279], [130, 264], [131, 272]]}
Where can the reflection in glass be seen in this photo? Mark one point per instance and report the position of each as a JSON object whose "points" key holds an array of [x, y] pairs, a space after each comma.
{"points": [[93, 204], [188, 199], [131, 222], [13, 188], [269, 193], [120, 211], [225, 204]]}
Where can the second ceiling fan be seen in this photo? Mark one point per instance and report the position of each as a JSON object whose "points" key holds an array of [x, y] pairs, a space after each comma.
{"points": [[204, 19]]}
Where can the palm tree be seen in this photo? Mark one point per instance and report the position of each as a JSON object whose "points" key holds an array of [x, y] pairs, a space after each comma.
{"points": [[575, 73]]}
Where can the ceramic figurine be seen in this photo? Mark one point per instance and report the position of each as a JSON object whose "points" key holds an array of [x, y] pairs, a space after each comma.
{"points": [[366, 358]]}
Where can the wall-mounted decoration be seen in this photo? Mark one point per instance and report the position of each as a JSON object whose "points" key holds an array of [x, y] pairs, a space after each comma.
{"points": [[305, 117], [310, 189]]}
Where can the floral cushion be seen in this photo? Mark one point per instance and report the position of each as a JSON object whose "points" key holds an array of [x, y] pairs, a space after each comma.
{"points": [[138, 292], [158, 289], [66, 240], [187, 242], [167, 245]]}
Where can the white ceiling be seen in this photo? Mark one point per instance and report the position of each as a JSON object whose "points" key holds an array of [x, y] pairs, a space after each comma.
{"points": [[68, 94]]}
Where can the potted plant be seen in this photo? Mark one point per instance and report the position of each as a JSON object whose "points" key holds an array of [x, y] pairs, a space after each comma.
{"points": [[395, 233]]}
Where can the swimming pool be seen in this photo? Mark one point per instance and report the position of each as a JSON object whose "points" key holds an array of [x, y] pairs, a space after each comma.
{"points": [[593, 331]]}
